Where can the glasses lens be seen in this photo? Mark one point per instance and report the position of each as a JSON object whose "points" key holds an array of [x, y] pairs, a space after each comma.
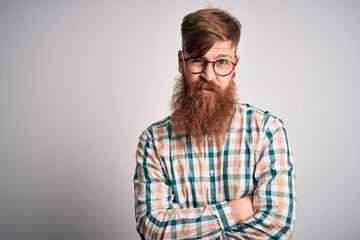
{"points": [[196, 65], [223, 67]]}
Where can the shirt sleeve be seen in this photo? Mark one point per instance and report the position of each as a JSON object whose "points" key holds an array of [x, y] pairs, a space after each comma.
{"points": [[274, 198], [158, 216]]}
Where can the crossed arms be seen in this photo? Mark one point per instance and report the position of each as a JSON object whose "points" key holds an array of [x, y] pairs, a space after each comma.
{"points": [[266, 212]]}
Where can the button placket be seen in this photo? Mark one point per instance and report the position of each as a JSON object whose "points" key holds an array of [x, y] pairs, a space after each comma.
{"points": [[209, 153]]}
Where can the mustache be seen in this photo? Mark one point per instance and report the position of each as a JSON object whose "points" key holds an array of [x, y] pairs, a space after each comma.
{"points": [[208, 86]]}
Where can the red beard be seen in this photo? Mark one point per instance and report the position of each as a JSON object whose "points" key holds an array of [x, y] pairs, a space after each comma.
{"points": [[201, 113]]}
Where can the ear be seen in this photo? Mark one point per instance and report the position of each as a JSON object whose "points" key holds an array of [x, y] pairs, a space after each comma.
{"points": [[180, 61], [237, 62]]}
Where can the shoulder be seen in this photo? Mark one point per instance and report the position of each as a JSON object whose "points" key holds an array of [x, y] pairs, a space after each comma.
{"points": [[256, 117], [157, 129]]}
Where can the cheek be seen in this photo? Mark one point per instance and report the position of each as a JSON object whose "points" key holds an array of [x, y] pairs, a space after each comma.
{"points": [[224, 83], [190, 78]]}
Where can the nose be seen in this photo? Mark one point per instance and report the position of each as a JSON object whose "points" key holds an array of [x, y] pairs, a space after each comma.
{"points": [[208, 74]]}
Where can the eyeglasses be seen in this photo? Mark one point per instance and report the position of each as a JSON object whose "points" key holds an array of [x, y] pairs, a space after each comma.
{"points": [[222, 67]]}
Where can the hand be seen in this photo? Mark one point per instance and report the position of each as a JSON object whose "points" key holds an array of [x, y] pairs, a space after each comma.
{"points": [[242, 208]]}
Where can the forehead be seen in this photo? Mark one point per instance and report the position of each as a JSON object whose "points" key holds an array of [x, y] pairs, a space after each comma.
{"points": [[221, 48]]}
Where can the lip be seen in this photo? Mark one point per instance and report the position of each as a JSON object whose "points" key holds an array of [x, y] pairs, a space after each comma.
{"points": [[207, 91]]}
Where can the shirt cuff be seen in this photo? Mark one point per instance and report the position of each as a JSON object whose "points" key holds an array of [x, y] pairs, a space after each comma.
{"points": [[223, 213]]}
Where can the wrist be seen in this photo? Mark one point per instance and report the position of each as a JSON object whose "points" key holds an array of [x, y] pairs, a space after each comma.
{"points": [[242, 208]]}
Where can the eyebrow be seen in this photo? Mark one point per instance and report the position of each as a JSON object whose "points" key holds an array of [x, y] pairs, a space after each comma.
{"points": [[216, 57], [223, 55]]}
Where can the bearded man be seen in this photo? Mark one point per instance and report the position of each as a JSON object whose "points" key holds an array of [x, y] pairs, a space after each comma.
{"points": [[215, 168]]}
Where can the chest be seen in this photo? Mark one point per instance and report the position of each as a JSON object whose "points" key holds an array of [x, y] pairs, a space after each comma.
{"points": [[208, 175]]}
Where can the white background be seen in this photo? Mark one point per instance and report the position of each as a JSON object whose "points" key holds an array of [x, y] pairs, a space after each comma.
{"points": [[80, 80]]}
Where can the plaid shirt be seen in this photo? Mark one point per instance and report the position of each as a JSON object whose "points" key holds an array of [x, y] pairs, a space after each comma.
{"points": [[182, 192]]}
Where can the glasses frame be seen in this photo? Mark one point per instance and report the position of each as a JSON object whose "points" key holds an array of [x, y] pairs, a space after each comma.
{"points": [[206, 64]]}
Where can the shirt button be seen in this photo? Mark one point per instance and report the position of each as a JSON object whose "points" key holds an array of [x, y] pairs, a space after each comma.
{"points": [[212, 172]]}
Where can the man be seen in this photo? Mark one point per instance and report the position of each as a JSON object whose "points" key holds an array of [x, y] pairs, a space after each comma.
{"points": [[214, 169]]}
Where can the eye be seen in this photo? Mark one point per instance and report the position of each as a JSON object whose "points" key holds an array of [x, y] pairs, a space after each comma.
{"points": [[197, 61], [222, 62]]}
